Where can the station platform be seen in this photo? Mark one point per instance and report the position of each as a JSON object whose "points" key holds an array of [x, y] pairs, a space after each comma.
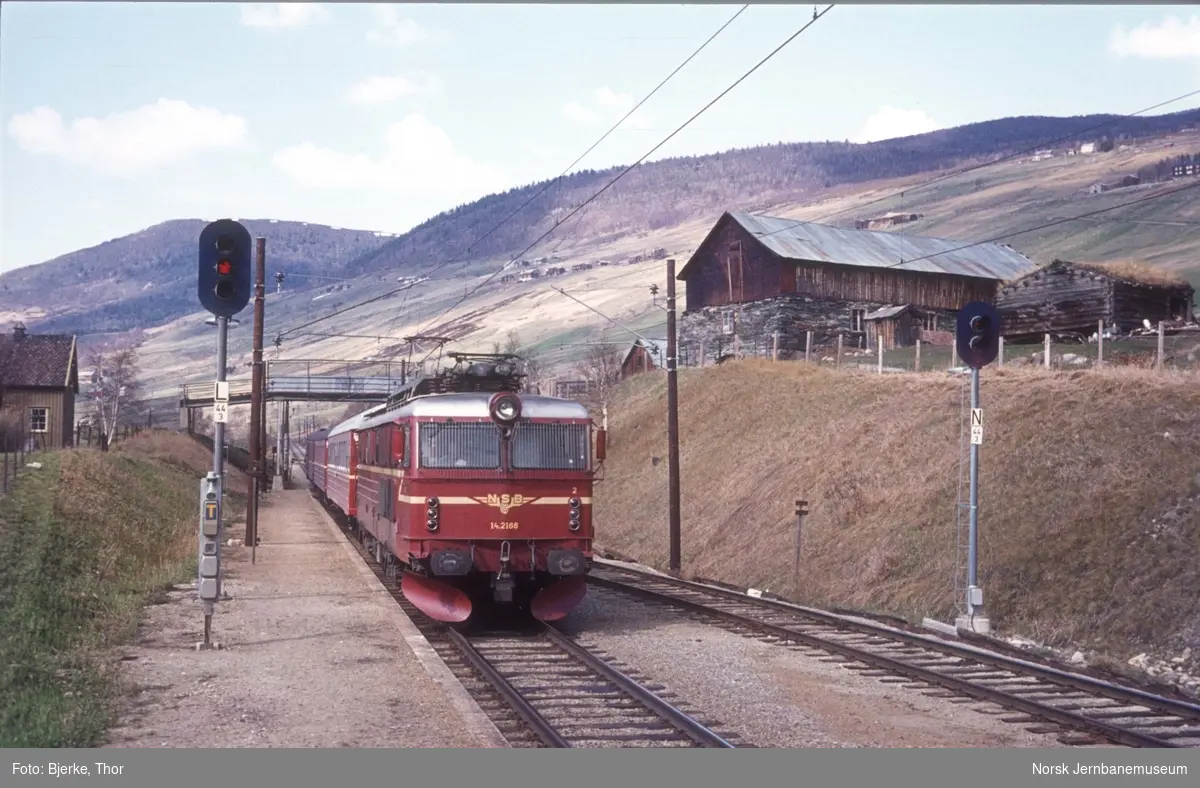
{"points": [[314, 652]]}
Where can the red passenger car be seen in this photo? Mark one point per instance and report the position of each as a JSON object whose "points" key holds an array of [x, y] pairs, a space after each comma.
{"points": [[476, 492]]}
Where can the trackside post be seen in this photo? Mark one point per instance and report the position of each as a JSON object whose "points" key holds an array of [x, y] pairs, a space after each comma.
{"points": [[977, 341], [223, 287], [672, 421]]}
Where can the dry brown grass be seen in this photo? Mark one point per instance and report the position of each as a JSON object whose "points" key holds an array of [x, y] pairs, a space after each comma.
{"points": [[1137, 271], [1075, 473], [179, 451]]}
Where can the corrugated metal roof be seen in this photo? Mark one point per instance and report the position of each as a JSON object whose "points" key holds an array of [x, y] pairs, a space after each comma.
{"points": [[887, 311], [795, 240], [656, 347]]}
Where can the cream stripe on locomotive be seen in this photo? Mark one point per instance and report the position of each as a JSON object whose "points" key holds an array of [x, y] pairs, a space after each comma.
{"points": [[420, 499]]}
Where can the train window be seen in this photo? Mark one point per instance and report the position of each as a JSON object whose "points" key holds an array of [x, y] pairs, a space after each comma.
{"points": [[550, 446], [472, 445], [400, 446]]}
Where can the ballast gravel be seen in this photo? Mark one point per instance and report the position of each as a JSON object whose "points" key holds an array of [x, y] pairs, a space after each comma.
{"points": [[773, 696]]}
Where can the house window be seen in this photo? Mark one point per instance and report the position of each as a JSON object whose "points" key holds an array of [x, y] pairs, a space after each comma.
{"points": [[931, 322], [857, 319], [727, 322], [39, 419]]}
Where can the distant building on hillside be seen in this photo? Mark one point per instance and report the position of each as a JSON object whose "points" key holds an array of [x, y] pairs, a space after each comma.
{"points": [[1071, 298], [755, 276], [643, 357], [39, 380]]}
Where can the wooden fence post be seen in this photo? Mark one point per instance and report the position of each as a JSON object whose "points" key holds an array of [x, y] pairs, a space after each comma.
{"points": [[917, 361], [1001, 354], [1046, 358], [775, 347], [838, 363], [1158, 363], [807, 345], [1100, 343], [880, 355]]}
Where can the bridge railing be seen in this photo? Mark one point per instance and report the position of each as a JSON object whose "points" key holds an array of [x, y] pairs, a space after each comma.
{"points": [[317, 379]]}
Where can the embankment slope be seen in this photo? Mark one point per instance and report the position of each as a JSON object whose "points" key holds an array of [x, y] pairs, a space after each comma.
{"points": [[1089, 504], [85, 541]]}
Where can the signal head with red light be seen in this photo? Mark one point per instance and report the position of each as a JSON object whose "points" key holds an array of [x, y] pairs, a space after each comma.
{"points": [[224, 277]]}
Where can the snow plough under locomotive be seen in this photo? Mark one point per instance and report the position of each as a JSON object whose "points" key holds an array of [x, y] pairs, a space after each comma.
{"points": [[476, 494]]}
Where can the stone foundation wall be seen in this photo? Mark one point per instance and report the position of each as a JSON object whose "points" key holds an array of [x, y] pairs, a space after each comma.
{"points": [[754, 325]]}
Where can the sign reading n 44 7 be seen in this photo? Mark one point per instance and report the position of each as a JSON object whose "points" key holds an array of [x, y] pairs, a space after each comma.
{"points": [[977, 426]]}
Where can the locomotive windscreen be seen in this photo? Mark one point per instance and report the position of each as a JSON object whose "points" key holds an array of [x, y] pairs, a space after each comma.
{"points": [[550, 446], [474, 446]]}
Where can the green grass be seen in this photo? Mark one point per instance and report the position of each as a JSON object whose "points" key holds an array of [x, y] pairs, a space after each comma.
{"points": [[85, 541]]}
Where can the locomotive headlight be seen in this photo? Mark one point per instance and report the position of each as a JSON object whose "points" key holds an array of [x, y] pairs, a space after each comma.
{"points": [[505, 407], [573, 523], [574, 503], [431, 513], [431, 524], [431, 501]]}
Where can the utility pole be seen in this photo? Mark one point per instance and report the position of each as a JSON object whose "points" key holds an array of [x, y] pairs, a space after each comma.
{"points": [[672, 419], [254, 481]]}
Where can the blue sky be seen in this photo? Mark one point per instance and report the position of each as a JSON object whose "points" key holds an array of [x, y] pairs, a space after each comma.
{"points": [[118, 116]]}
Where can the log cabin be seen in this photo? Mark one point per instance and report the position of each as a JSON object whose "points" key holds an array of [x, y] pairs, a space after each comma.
{"points": [[1067, 298]]}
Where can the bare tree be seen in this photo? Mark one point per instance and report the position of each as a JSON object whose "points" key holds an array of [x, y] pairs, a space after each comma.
{"points": [[530, 365], [600, 366], [115, 390]]}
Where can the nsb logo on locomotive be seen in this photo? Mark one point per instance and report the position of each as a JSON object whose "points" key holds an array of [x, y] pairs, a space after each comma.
{"points": [[505, 502]]}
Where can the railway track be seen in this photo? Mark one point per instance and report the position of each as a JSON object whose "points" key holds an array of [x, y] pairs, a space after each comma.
{"points": [[542, 689], [1079, 709]]}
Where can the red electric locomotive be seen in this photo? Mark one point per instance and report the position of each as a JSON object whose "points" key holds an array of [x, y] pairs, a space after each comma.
{"points": [[475, 491]]}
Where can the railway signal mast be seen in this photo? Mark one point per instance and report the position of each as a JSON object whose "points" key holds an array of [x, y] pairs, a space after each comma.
{"points": [[223, 287], [978, 343]]}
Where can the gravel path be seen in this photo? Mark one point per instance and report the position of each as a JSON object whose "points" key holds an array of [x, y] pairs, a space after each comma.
{"points": [[776, 697], [315, 654]]}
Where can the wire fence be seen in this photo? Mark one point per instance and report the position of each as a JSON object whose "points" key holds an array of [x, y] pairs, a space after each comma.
{"points": [[1169, 351], [22, 449]]}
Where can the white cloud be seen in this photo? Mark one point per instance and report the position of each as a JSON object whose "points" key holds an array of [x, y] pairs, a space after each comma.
{"points": [[384, 90], [1172, 38], [394, 29], [126, 143], [279, 15], [606, 105], [418, 157], [889, 123]]}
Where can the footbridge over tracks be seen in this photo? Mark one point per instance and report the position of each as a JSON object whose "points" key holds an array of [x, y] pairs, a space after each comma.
{"points": [[312, 380]]}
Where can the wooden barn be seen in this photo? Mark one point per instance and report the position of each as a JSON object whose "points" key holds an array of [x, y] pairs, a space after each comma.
{"points": [[829, 279], [39, 380], [1071, 298], [644, 356]]}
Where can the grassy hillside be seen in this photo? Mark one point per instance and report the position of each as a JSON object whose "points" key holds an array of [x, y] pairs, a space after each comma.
{"points": [[85, 541], [1089, 493], [147, 279]]}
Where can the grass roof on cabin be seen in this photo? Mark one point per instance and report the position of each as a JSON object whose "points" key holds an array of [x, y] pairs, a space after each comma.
{"points": [[1138, 272]]}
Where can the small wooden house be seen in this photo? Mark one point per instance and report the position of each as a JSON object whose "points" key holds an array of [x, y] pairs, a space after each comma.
{"points": [[39, 380], [1072, 298], [898, 326], [643, 357]]}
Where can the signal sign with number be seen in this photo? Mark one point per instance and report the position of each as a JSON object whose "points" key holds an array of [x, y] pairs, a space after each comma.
{"points": [[221, 411]]}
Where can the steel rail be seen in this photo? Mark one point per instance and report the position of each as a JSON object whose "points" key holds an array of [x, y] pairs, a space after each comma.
{"points": [[1106, 689], [701, 734], [539, 724], [949, 682]]}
